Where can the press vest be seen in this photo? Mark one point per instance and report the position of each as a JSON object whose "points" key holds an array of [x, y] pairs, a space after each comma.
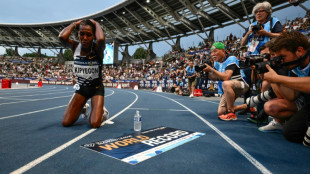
{"points": [[261, 39]]}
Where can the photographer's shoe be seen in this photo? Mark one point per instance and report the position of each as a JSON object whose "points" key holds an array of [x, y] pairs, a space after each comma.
{"points": [[243, 112], [273, 126], [254, 120], [228, 117], [306, 141]]}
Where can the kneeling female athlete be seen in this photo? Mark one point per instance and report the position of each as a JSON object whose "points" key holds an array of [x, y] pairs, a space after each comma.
{"points": [[88, 57]]}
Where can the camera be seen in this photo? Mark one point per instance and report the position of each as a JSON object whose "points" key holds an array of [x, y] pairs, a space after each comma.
{"points": [[262, 97], [259, 63], [275, 63], [252, 60], [256, 28], [200, 68]]}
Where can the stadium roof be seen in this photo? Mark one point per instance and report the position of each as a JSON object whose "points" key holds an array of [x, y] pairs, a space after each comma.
{"points": [[135, 22]]}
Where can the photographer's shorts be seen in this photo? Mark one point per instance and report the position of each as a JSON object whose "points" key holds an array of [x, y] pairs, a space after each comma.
{"points": [[90, 91], [192, 83], [296, 127], [300, 102], [239, 88]]}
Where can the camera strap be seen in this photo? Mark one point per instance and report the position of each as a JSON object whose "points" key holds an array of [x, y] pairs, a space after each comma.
{"points": [[297, 61]]}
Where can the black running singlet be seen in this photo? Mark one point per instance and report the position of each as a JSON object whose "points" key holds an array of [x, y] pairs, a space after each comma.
{"points": [[87, 68]]}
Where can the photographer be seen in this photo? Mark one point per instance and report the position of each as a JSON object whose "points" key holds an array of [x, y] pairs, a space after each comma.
{"points": [[178, 86], [294, 49], [262, 30], [260, 85], [192, 79], [231, 80]]}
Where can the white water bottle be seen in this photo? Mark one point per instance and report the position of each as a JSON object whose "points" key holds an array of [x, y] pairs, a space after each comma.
{"points": [[137, 122]]}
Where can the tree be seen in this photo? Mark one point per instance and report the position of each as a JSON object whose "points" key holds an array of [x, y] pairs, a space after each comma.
{"points": [[140, 53], [9, 52], [68, 55], [34, 55]]}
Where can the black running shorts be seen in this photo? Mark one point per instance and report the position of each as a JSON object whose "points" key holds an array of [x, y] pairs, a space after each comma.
{"points": [[90, 91]]}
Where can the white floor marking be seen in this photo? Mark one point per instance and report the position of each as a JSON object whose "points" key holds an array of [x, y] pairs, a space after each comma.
{"points": [[256, 163], [42, 110], [69, 143], [35, 100], [152, 109], [53, 93]]}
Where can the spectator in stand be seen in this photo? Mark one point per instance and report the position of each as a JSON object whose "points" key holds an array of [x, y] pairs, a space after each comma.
{"points": [[192, 78], [88, 55], [262, 30], [231, 81]]}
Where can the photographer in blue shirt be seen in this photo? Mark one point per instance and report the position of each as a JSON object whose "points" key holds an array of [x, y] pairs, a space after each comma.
{"points": [[231, 79]]}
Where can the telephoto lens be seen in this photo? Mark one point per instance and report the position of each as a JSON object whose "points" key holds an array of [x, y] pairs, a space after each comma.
{"points": [[306, 141], [262, 97]]}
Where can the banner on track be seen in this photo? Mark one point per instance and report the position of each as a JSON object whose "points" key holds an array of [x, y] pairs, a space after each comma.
{"points": [[134, 149]]}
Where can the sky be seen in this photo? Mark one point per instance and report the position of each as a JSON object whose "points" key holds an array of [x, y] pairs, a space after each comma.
{"points": [[42, 11]]}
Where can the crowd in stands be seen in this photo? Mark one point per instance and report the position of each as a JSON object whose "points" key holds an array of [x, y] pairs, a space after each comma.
{"points": [[19, 67], [170, 68]]}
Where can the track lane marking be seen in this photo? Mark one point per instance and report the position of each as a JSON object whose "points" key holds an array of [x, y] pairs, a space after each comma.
{"points": [[42, 110], [69, 143], [251, 159], [152, 109]]}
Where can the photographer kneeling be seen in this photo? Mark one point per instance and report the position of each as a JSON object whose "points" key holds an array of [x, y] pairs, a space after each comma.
{"points": [[231, 80], [294, 49]]}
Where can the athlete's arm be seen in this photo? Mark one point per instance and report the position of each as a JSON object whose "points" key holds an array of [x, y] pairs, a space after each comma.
{"points": [[65, 34], [100, 38]]}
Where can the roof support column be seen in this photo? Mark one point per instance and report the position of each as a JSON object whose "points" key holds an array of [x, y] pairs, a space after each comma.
{"points": [[150, 53], [177, 46], [126, 57]]}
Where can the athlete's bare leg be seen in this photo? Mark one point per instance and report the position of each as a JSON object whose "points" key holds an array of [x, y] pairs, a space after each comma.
{"points": [[96, 117], [73, 109]]}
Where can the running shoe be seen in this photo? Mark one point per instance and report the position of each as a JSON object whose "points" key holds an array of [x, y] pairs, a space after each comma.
{"points": [[84, 111], [228, 117], [273, 126], [106, 116]]}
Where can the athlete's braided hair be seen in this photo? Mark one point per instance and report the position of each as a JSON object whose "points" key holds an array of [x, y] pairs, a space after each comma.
{"points": [[87, 22]]}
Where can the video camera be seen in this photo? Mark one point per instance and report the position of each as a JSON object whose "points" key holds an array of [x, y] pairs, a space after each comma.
{"points": [[259, 63]]}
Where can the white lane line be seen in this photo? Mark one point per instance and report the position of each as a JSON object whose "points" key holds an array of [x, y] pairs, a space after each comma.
{"points": [[152, 109], [42, 110], [41, 94], [69, 143], [6, 98], [35, 100], [37, 90], [256, 163]]}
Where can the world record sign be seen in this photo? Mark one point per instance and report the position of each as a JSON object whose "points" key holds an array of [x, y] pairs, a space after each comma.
{"points": [[134, 149]]}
